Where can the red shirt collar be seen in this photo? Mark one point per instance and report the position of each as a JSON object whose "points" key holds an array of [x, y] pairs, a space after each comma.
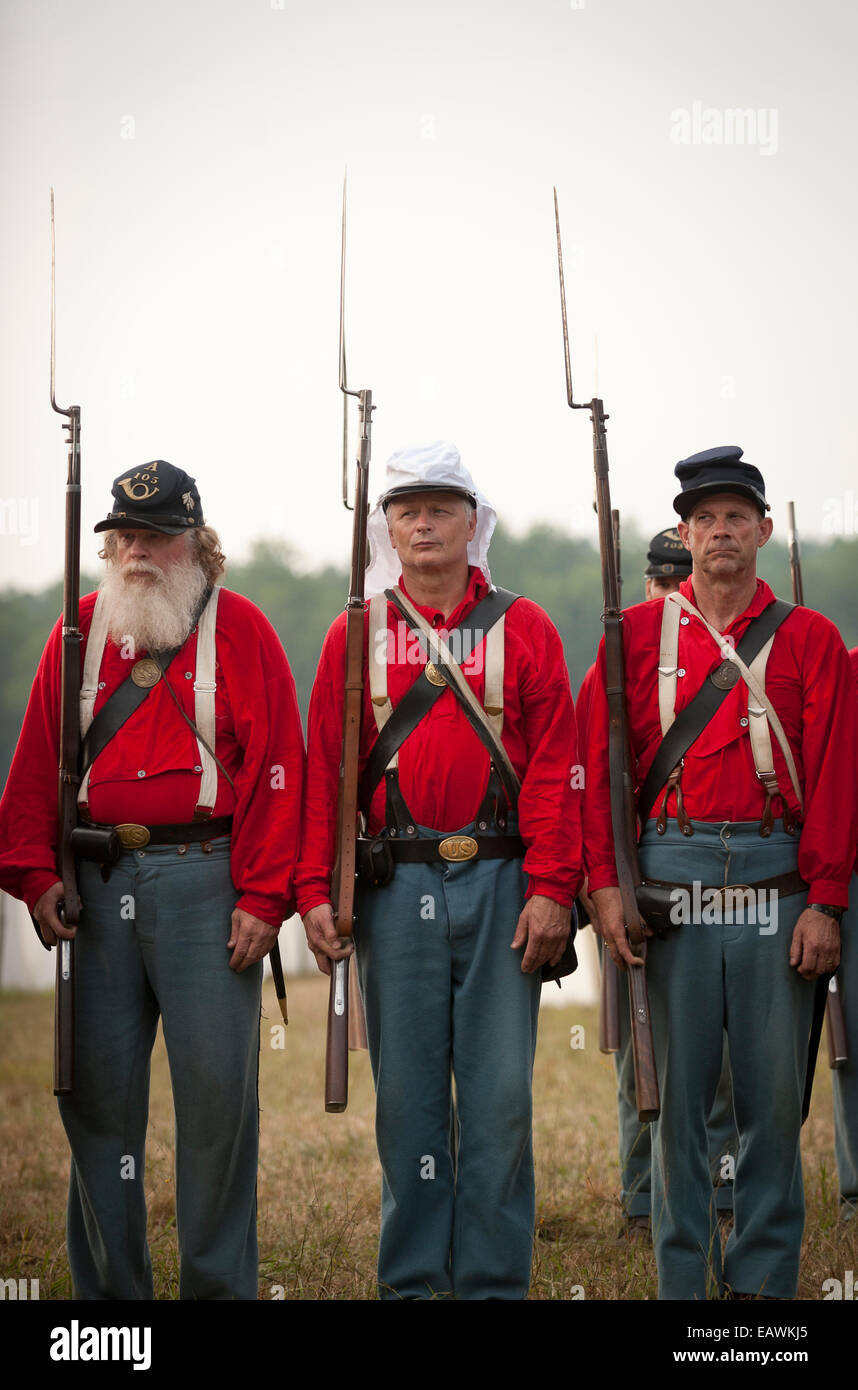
{"points": [[476, 590], [761, 600]]}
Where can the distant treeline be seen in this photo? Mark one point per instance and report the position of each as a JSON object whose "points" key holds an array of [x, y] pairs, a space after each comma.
{"points": [[557, 571]]}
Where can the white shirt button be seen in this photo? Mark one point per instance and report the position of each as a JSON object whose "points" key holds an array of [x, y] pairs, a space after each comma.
{"points": [[744, 723], [141, 773], [684, 621], [681, 671]]}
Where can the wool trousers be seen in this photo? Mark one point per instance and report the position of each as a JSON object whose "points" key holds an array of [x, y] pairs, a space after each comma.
{"points": [[446, 1003], [152, 943]]}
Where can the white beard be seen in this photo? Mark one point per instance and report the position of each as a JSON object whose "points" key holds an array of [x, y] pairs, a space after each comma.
{"points": [[154, 615]]}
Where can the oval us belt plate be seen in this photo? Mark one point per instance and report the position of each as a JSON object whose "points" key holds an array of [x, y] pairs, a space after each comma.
{"points": [[458, 847]]}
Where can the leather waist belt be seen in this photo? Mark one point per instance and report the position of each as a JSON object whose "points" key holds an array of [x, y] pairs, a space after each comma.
{"points": [[133, 836], [455, 849], [784, 884]]}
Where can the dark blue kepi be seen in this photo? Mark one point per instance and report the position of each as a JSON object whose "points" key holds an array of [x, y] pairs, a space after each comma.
{"points": [[718, 470]]}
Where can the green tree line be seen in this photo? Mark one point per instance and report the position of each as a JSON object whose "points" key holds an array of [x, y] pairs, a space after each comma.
{"points": [[559, 572]]}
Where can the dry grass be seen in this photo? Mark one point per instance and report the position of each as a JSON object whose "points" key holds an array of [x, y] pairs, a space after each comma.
{"points": [[319, 1176]]}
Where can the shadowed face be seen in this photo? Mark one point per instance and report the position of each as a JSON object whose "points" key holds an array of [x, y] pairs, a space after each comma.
{"points": [[430, 531], [660, 585], [724, 533]]}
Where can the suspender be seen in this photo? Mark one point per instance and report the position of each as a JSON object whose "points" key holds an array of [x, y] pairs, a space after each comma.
{"points": [[680, 732], [395, 725]]}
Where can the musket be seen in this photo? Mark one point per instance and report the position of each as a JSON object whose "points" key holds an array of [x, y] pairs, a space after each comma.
{"points": [[623, 808], [609, 1004], [836, 1023], [69, 751], [343, 879]]}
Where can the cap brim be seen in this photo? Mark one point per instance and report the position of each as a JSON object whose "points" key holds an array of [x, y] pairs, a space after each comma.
{"points": [[410, 488], [136, 523], [686, 500]]}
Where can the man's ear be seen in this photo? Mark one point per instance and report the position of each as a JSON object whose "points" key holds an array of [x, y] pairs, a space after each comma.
{"points": [[766, 528]]}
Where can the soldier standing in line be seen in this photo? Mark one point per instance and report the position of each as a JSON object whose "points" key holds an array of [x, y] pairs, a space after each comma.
{"points": [[470, 868], [773, 741], [192, 769]]}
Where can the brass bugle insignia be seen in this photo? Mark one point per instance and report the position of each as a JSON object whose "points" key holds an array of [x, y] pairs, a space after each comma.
{"points": [[457, 847], [146, 673]]}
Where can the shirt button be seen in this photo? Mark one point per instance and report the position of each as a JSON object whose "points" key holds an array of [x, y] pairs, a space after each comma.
{"points": [[681, 671], [102, 684], [198, 767], [744, 723], [684, 621], [141, 773], [189, 675]]}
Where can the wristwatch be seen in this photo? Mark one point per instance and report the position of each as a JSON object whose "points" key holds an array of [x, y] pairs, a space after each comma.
{"points": [[835, 912]]}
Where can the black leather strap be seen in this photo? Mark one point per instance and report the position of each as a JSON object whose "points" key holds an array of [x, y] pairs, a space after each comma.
{"points": [[692, 720], [418, 701], [127, 698]]}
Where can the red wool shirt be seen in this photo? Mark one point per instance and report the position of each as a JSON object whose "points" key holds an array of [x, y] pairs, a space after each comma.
{"points": [[443, 766], [146, 773], [808, 680]]}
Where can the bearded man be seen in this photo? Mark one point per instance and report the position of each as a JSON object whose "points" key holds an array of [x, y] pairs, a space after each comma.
{"points": [[193, 752]]}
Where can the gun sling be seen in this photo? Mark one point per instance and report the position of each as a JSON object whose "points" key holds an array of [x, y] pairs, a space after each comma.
{"points": [[692, 720]]}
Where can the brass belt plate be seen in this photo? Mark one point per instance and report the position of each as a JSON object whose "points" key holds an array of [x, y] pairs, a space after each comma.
{"points": [[433, 675], [726, 675], [457, 847], [146, 673], [132, 836]]}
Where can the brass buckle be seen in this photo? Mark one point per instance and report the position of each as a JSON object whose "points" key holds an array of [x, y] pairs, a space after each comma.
{"points": [[458, 847], [132, 836]]}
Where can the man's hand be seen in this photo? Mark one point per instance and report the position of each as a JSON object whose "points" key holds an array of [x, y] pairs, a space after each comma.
{"points": [[322, 937], [249, 940], [815, 947], [45, 913], [545, 926], [611, 924]]}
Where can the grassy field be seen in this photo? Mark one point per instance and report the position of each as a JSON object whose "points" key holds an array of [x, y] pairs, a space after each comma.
{"points": [[319, 1175]]}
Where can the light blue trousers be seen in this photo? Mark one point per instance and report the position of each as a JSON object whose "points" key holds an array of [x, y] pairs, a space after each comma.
{"points": [[634, 1137], [445, 998], [845, 1078], [152, 942], [705, 978]]}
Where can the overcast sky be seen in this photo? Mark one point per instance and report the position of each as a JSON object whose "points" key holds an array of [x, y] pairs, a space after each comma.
{"points": [[197, 153]]}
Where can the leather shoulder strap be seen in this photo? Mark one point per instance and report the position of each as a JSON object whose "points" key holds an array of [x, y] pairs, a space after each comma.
{"points": [[691, 722], [417, 702]]}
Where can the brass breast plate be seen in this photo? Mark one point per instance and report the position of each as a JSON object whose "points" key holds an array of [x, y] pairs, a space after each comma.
{"points": [[726, 675], [458, 847], [146, 673], [433, 675]]}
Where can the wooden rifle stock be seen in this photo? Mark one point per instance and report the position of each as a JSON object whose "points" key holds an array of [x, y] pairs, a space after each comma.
{"points": [[836, 1023], [609, 1005], [69, 750], [345, 868]]}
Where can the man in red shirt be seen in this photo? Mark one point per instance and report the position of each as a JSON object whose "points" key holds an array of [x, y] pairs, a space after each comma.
{"points": [[711, 823], [451, 941], [200, 771]]}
